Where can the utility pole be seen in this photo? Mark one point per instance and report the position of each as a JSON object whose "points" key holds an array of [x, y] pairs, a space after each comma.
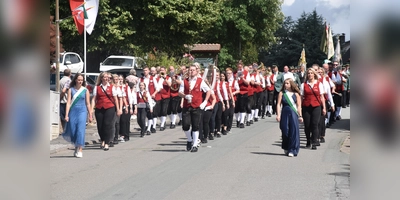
{"points": [[57, 48]]}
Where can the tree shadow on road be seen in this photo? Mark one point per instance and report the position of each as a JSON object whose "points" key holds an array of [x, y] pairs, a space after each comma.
{"points": [[62, 156], [169, 150], [267, 153]]}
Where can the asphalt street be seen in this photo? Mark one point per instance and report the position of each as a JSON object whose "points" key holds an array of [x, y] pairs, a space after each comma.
{"points": [[246, 164]]}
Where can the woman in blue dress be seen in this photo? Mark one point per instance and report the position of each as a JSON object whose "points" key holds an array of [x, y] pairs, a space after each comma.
{"points": [[289, 117], [77, 109]]}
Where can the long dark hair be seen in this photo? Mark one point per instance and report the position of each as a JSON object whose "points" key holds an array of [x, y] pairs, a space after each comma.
{"points": [[224, 73], [73, 82]]}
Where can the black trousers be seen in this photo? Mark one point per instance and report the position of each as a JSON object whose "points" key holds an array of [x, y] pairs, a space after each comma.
{"points": [[229, 114], [116, 126], [275, 99], [213, 116], [218, 117], [105, 122], [321, 126], [243, 101], [263, 103], [348, 97], [163, 107], [125, 123], [311, 116], [237, 106], [141, 118], [257, 101], [250, 103], [206, 116], [157, 109], [174, 103], [191, 118], [344, 97]]}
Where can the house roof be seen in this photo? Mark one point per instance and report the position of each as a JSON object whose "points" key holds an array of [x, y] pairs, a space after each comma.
{"points": [[203, 48]]}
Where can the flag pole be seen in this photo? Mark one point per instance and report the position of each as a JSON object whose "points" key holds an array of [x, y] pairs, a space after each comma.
{"points": [[84, 48]]}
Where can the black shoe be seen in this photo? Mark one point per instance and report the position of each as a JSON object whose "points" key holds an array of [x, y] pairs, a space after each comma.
{"points": [[343, 106], [241, 125], [269, 114], [314, 147], [210, 137], [328, 125], [172, 126], [338, 117], [322, 140], [247, 123], [224, 132], [148, 133], [308, 145], [180, 123], [194, 149], [106, 149], [153, 130], [255, 119], [217, 135], [251, 122], [262, 117], [126, 139], [111, 144], [317, 144], [162, 128], [115, 141], [204, 140], [188, 146], [142, 133], [237, 123]]}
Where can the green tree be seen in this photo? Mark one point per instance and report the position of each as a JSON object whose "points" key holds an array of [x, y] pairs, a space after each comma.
{"points": [[291, 36], [244, 26]]}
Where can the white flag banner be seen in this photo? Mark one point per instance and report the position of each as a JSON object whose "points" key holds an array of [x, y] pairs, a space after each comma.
{"points": [[338, 56], [93, 8], [331, 49]]}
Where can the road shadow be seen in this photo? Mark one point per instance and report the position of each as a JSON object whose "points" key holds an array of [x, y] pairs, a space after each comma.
{"points": [[173, 144], [343, 174], [267, 153], [62, 156], [343, 124], [169, 150]]}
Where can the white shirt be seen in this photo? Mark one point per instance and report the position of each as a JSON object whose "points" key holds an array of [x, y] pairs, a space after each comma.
{"points": [[236, 84], [147, 81], [203, 86], [150, 100], [262, 81], [114, 90], [132, 96], [288, 75], [327, 88], [321, 87], [225, 91], [268, 81], [275, 76]]}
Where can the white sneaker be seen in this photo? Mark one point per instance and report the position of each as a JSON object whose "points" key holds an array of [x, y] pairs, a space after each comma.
{"points": [[120, 138], [290, 154], [79, 154]]}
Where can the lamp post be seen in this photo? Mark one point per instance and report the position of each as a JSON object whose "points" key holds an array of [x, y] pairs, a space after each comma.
{"points": [[57, 48]]}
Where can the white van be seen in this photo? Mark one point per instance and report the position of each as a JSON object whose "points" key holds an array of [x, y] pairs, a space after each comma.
{"points": [[70, 60], [122, 64]]}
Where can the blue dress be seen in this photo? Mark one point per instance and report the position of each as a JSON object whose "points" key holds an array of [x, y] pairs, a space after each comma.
{"points": [[289, 125], [76, 126]]}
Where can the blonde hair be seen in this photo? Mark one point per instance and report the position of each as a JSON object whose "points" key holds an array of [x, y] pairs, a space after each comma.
{"points": [[293, 86], [314, 72], [101, 76]]}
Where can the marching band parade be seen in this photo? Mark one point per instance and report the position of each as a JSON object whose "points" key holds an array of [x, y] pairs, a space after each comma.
{"points": [[206, 102]]}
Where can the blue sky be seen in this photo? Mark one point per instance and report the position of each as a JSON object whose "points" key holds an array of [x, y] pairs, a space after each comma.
{"points": [[336, 12]]}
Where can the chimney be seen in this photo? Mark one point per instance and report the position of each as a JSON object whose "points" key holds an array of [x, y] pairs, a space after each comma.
{"points": [[342, 38]]}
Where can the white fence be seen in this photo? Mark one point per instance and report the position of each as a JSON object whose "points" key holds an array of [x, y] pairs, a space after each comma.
{"points": [[54, 114]]}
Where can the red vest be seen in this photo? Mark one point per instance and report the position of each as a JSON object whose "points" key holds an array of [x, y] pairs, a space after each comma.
{"points": [[251, 89], [174, 93], [228, 91], [308, 96], [243, 87], [165, 91], [233, 88], [272, 84], [257, 88], [152, 87], [196, 92], [269, 88], [140, 99], [102, 101], [339, 87], [216, 93]]}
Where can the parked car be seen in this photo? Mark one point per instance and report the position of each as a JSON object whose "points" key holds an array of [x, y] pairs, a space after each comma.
{"points": [[122, 65], [70, 60], [90, 83]]}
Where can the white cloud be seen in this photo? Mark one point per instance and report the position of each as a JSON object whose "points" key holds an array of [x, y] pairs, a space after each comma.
{"points": [[333, 3], [288, 2]]}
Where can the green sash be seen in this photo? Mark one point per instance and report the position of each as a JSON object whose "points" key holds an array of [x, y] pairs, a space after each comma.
{"points": [[78, 95], [291, 103]]}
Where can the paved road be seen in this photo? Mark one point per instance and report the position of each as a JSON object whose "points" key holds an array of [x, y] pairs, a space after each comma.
{"points": [[246, 164]]}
